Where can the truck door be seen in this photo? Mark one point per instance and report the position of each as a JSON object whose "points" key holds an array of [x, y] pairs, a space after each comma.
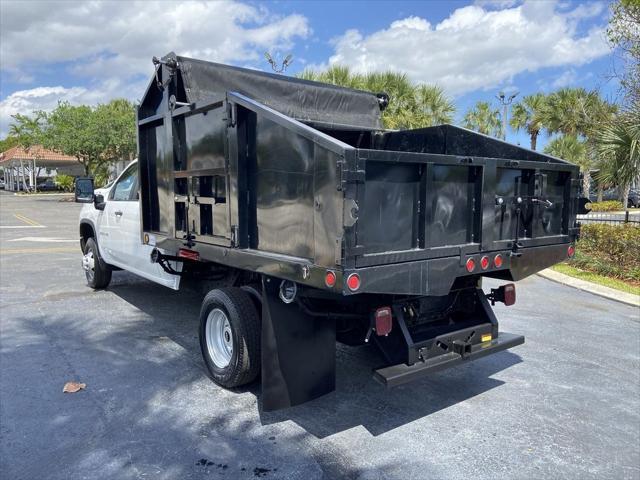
{"points": [[125, 246]]}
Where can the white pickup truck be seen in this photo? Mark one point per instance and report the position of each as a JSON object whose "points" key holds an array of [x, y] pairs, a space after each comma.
{"points": [[110, 235]]}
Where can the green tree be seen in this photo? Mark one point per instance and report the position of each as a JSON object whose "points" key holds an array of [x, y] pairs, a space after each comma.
{"points": [[579, 113], [410, 106], [28, 132], [117, 123], [94, 136], [574, 150], [623, 33], [72, 130], [483, 118], [8, 142], [436, 107], [530, 114], [619, 147]]}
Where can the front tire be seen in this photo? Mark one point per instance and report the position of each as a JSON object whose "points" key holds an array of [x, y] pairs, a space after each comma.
{"points": [[98, 273], [229, 334]]}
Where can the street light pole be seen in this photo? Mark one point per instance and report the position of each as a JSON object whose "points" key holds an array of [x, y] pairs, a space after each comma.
{"points": [[505, 101]]}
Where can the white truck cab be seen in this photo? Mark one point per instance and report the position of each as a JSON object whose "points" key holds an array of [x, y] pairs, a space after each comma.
{"points": [[110, 234]]}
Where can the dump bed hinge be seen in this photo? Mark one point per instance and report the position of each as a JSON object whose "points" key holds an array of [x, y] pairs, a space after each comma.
{"points": [[346, 176]]}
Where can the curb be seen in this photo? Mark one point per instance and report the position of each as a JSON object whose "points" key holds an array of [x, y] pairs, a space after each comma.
{"points": [[595, 289]]}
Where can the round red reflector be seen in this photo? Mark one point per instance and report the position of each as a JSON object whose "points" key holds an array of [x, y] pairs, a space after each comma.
{"points": [[571, 251], [471, 265], [353, 282], [330, 279], [484, 263], [497, 261]]}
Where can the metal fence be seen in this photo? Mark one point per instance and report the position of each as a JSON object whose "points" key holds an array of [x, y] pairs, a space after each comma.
{"points": [[611, 218]]}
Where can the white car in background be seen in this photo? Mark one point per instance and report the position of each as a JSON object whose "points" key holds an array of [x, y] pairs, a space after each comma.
{"points": [[110, 234]]}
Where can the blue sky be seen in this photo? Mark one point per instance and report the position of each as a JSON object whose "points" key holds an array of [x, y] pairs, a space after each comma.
{"points": [[93, 52]]}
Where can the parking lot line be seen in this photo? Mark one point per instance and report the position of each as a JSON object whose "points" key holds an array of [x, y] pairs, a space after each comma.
{"points": [[11, 251], [22, 226], [27, 220]]}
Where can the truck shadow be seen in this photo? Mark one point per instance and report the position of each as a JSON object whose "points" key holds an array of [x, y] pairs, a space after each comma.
{"points": [[360, 401], [358, 398]]}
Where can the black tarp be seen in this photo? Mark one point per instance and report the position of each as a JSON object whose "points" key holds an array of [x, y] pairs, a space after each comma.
{"points": [[306, 101]]}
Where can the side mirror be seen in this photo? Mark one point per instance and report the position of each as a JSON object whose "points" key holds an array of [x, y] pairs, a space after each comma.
{"points": [[84, 190], [98, 202]]}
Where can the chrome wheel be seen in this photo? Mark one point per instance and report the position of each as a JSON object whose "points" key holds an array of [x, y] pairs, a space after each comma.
{"points": [[219, 338], [89, 265]]}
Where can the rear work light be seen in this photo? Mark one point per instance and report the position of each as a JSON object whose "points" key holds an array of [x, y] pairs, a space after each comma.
{"points": [[330, 279], [383, 321], [505, 294], [471, 265], [571, 251], [484, 262], [509, 294], [353, 282], [188, 254], [497, 261]]}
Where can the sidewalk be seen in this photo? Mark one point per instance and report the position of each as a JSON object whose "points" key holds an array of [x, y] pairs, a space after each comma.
{"points": [[600, 290]]}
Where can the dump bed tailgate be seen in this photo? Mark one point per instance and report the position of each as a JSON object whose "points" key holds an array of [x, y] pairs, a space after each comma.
{"points": [[433, 204]]}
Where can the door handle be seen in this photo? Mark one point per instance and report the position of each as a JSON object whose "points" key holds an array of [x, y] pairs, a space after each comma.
{"points": [[118, 213]]}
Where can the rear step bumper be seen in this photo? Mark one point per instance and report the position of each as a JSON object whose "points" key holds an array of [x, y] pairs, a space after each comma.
{"points": [[402, 373]]}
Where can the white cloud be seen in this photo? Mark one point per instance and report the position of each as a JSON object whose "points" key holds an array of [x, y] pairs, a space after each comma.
{"points": [[476, 48], [126, 35], [46, 98], [566, 78], [111, 44]]}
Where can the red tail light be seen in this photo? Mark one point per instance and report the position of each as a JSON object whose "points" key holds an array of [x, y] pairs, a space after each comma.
{"points": [[384, 321], [484, 263], [497, 261], [330, 279], [471, 265], [509, 294], [188, 254], [571, 251], [353, 282]]}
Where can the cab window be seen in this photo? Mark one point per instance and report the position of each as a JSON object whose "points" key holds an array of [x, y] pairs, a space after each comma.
{"points": [[126, 187]]}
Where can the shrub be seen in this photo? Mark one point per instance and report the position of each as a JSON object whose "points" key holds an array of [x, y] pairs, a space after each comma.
{"points": [[608, 206], [65, 182], [611, 250]]}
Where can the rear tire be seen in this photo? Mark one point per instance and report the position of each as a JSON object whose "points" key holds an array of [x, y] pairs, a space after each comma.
{"points": [[230, 332], [98, 273]]}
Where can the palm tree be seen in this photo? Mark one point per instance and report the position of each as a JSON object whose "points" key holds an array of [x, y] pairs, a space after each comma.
{"points": [[619, 147], [484, 119], [530, 114], [28, 130], [410, 106], [579, 113], [574, 150], [436, 107], [574, 111]]}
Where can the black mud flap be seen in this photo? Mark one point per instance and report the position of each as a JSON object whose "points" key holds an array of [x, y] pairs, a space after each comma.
{"points": [[395, 375], [298, 352]]}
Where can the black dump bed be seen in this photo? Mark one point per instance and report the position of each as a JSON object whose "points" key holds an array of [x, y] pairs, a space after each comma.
{"points": [[295, 178]]}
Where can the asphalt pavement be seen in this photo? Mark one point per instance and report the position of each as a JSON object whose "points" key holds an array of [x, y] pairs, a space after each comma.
{"points": [[566, 404]]}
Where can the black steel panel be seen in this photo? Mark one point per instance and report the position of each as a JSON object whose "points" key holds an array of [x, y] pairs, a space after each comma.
{"points": [[156, 168], [284, 187], [388, 217], [201, 140], [328, 209], [452, 205]]}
